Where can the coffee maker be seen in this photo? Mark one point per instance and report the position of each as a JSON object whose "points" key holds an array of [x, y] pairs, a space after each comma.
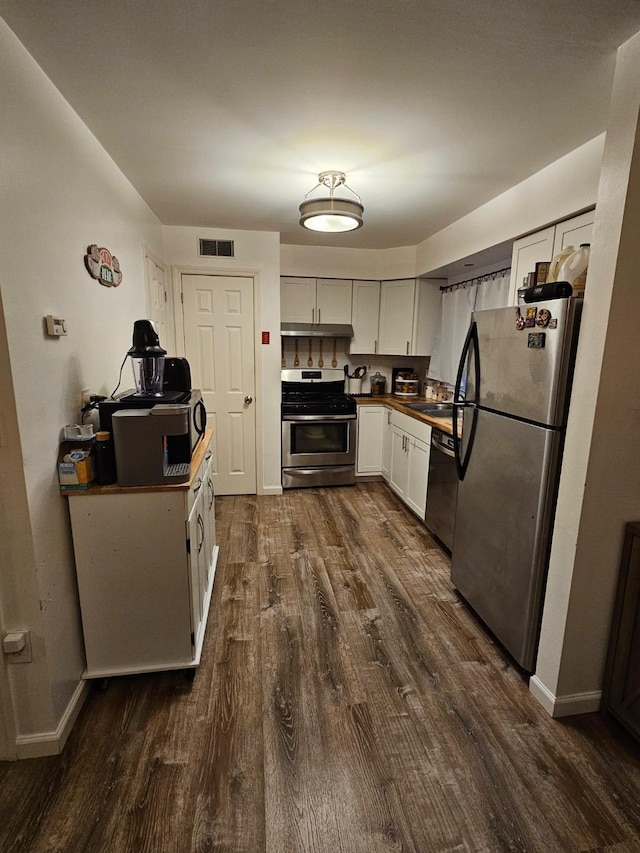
{"points": [[159, 381], [152, 446]]}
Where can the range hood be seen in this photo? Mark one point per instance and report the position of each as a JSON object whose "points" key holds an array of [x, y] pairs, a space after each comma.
{"points": [[316, 330]]}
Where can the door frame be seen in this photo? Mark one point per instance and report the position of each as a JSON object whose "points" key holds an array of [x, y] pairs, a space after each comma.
{"points": [[225, 272]]}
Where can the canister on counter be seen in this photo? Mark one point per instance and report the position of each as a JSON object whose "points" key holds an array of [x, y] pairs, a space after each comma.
{"points": [[377, 384]]}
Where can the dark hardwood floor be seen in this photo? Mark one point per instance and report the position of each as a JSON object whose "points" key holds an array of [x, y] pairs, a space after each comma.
{"points": [[347, 701]]}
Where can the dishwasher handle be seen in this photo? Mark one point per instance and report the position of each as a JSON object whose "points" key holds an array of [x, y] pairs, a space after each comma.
{"points": [[442, 442]]}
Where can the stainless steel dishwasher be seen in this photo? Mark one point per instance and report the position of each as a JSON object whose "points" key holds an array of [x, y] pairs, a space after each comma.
{"points": [[442, 490]]}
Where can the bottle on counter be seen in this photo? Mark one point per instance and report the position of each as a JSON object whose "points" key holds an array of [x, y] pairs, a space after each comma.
{"points": [[105, 459]]}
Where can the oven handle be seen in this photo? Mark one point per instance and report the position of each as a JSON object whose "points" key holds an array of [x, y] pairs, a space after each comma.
{"points": [[319, 418]]}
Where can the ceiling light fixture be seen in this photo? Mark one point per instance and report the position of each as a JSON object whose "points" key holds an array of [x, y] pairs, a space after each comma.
{"points": [[330, 214]]}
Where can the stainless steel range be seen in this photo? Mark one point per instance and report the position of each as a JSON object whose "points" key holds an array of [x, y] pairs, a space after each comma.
{"points": [[318, 429]]}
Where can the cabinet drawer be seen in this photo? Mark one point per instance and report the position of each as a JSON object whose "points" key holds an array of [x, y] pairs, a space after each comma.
{"points": [[413, 427]]}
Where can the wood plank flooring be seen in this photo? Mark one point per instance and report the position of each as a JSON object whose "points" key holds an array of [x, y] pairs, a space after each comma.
{"points": [[347, 702]]}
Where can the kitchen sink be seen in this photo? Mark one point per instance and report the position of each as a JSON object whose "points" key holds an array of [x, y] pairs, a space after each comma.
{"points": [[438, 410]]}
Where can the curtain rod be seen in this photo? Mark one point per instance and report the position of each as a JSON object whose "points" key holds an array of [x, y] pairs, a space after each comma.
{"points": [[490, 276]]}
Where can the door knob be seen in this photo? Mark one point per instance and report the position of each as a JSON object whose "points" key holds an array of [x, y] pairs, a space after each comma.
{"points": [[248, 399]]}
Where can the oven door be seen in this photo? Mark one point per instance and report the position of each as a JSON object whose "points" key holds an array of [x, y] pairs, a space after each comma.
{"points": [[313, 441]]}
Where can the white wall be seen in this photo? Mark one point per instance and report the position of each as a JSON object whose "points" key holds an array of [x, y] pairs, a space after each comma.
{"points": [[332, 262], [600, 484], [257, 253], [60, 193], [564, 188]]}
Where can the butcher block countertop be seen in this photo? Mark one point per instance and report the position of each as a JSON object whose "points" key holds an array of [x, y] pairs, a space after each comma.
{"points": [[400, 405], [196, 461]]}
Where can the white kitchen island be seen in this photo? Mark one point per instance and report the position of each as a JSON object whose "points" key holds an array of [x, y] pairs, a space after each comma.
{"points": [[145, 562]]}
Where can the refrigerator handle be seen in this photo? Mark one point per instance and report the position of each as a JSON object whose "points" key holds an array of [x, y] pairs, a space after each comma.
{"points": [[460, 403]]}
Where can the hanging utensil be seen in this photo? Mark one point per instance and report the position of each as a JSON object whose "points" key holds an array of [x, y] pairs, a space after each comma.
{"points": [[320, 359], [283, 361], [310, 359], [334, 360], [296, 360]]}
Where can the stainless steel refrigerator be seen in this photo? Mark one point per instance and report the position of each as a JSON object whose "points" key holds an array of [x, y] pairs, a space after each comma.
{"points": [[513, 390]]}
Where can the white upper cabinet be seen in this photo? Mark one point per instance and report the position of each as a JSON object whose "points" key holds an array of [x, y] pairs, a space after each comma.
{"points": [[409, 309], [297, 300], [365, 313], [573, 232], [395, 327], [310, 300], [545, 244]]}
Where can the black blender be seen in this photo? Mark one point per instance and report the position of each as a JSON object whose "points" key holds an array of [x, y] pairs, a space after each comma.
{"points": [[149, 365]]}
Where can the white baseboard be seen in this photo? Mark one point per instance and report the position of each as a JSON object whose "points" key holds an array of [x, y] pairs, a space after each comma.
{"points": [[52, 743], [565, 706], [270, 490]]}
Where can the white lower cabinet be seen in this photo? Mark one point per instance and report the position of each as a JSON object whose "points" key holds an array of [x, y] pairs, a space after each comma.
{"points": [[371, 421], [145, 563], [386, 445], [409, 460]]}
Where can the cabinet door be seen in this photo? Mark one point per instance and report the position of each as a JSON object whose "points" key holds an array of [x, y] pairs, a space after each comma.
{"points": [[573, 232], [197, 564], [396, 317], [209, 509], [333, 300], [386, 445], [426, 314], [371, 421], [399, 472], [526, 252], [297, 300], [365, 312], [418, 475]]}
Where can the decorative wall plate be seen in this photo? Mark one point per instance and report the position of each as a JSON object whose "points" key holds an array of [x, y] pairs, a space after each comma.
{"points": [[103, 266]]}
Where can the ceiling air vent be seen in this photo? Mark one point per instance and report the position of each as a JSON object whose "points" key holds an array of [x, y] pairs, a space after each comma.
{"points": [[216, 248]]}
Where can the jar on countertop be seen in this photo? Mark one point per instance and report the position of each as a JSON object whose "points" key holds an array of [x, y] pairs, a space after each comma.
{"points": [[378, 382]]}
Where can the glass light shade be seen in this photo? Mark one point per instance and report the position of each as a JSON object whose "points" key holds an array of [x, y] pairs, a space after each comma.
{"points": [[331, 215]]}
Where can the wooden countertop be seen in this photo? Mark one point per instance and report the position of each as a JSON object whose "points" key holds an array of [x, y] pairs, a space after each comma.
{"points": [[114, 489], [442, 423]]}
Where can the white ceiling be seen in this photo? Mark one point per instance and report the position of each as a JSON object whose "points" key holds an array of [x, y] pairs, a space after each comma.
{"points": [[222, 113]]}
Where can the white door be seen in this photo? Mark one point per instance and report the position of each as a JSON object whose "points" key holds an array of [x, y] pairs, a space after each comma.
{"points": [[219, 345], [158, 303]]}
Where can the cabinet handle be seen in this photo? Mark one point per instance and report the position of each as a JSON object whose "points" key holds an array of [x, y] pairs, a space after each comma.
{"points": [[375, 346], [197, 485], [319, 315], [407, 347], [208, 456], [313, 315], [201, 531]]}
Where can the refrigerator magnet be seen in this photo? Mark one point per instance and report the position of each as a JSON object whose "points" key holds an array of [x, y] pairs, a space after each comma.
{"points": [[536, 340], [553, 324], [543, 318], [530, 318], [519, 320]]}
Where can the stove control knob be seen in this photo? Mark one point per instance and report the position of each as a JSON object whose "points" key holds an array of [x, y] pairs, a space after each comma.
{"points": [[248, 399]]}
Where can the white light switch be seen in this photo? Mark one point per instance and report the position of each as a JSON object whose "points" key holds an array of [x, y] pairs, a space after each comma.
{"points": [[17, 646], [56, 326]]}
